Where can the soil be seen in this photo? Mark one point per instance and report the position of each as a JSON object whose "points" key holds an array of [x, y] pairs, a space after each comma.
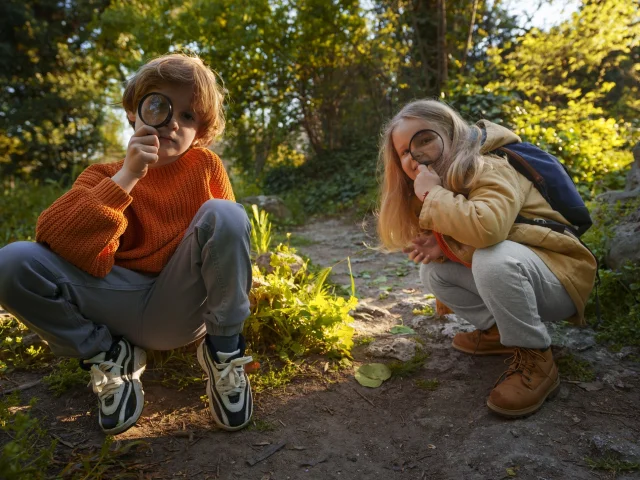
{"points": [[333, 428]]}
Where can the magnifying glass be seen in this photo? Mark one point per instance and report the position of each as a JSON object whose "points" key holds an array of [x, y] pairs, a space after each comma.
{"points": [[426, 147], [155, 109]]}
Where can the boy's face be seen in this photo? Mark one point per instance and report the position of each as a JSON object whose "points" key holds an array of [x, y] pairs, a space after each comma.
{"points": [[179, 134]]}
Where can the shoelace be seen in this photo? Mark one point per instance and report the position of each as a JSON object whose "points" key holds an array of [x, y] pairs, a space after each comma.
{"points": [[232, 379], [523, 361], [104, 383]]}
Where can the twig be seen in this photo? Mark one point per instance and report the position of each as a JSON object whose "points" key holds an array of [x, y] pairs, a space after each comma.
{"points": [[24, 386], [266, 453], [63, 442], [372, 404]]}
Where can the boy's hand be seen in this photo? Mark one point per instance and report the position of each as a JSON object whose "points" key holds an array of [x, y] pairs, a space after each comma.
{"points": [[425, 181], [425, 249], [141, 152]]}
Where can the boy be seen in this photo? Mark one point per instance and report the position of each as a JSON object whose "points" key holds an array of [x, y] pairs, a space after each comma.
{"points": [[148, 252]]}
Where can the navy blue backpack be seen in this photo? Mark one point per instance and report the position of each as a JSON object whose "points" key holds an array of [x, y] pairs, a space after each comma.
{"points": [[552, 180]]}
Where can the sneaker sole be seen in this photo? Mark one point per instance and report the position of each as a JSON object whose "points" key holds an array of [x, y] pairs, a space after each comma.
{"points": [[139, 365], [203, 364], [505, 351], [529, 410]]}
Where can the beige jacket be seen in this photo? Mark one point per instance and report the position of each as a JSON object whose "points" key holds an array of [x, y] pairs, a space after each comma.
{"points": [[486, 216]]}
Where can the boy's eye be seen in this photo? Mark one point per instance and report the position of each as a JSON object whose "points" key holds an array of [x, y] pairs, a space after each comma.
{"points": [[188, 116]]}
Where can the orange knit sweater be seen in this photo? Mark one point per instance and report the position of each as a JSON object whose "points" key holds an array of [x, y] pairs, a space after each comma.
{"points": [[97, 224]]}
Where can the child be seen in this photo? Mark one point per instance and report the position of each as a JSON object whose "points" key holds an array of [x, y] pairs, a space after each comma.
{"points": [[503, 277], [150, 252]]}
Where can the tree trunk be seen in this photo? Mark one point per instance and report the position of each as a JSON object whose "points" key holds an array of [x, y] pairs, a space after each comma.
{"points": [[443, 73], [467, 47]]}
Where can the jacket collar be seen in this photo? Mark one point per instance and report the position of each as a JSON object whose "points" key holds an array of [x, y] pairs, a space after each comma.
{"points": [[495, 136]]}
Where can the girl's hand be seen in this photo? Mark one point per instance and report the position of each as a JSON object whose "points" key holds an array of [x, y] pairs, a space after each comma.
{"points": [[424, 249], [427, 179], [141, 152]]}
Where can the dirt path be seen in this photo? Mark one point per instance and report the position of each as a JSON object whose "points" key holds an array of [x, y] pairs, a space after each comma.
{"points": [[335, 429]]}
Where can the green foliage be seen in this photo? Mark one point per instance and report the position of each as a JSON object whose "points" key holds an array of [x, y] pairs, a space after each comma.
{"points": [[430, 384], [178, 368], [573, 368], [260, 231], [53, 92], [66, 375], [272, 377], [612, 464], [406, 369], [28, 454], [14, 354], [294, 314], [329, 182], [619, 291], [21, 203]]}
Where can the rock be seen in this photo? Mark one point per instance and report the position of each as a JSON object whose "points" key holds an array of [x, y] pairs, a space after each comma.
{"points": [[573, 338], [606, 445], [371, 310], [400, 348], [624, 244], [294, 261], [272, 204]]}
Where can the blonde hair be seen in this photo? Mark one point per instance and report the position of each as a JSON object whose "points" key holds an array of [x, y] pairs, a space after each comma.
{"points": [[397, 218], [190, 71]]}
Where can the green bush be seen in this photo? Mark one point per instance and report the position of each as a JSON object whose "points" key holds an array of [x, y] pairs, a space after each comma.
{"points": [[21, 203], [294, 312]]}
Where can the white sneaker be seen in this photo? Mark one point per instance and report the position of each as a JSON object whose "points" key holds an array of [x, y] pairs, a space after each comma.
{"points": [[228, 386], [115, 378]]}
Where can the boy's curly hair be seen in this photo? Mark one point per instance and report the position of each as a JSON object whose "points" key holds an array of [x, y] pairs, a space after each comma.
{"points": [[188, 70]]}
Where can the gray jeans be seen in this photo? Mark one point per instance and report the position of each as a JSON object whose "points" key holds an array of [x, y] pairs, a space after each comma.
{"points": [[507, 285], [203, 288]]}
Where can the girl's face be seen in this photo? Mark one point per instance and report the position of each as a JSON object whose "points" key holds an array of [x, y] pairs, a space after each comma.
{"points": [[402, 135], [179, 134]]}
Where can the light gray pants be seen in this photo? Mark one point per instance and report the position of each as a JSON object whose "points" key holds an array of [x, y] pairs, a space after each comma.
{"points": [[203, 288], [508, 285]]}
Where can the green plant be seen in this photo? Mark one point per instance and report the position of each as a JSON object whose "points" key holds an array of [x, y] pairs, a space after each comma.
{"points": [[177, 368], [431, 384], [426, 310], [575, 369], [14, 353], [66, 374], [260, 231], [272, 377], [406, 369], [612, 464], [21, 203], [28, 454], [294, 314]]}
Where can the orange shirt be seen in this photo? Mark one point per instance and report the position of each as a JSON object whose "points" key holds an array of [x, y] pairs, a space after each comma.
{"points": [[97, 224]]}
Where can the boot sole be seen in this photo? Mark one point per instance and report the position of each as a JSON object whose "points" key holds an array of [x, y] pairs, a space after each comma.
{"points": [[529, 410], [139, 365], [505, 351]]}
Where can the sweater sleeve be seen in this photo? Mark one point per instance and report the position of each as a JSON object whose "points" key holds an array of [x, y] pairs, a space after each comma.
{"points": [[481, 220], [220, 185], [85, 224]]}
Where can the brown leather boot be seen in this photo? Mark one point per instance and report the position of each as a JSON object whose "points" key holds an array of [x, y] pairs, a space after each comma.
{"points": [[481, 342], [531, 378]]}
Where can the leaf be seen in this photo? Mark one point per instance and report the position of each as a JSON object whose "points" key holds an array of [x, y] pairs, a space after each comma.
{"points": [[368, 382], [377, 371], [380, 279], [511, 472], [402, 329], [353, 284]]}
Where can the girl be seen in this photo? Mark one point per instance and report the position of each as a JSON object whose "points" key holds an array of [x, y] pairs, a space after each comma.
{"points": [[452, 205]]}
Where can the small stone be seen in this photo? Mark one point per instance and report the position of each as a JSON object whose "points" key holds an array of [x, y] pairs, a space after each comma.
{"points": [[515, 433]]}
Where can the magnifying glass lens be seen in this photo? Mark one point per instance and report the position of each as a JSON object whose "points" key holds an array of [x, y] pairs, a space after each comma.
{"points": [[155, 110], [426, 147]]}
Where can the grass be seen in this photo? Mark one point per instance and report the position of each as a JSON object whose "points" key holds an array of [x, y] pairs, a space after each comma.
{"points": [[574, 369], [428, 384], [406, 369], [612, 465], [66, 374]]}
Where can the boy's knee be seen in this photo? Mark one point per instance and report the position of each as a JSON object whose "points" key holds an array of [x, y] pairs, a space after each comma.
{"points": [[15, 259], [429, 276], [226, 218]]}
